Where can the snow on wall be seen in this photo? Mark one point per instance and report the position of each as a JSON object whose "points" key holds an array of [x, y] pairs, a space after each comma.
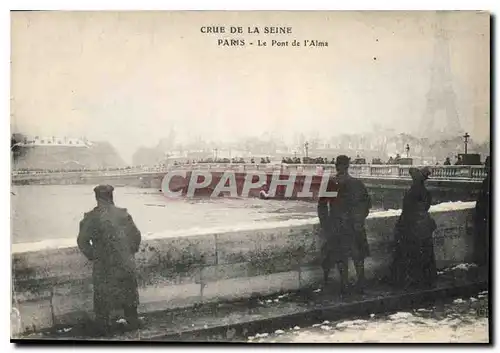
{"points": [[196, 231]]}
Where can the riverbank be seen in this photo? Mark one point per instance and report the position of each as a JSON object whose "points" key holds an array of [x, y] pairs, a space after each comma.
{"points": [[455, 320], [255, 318]]}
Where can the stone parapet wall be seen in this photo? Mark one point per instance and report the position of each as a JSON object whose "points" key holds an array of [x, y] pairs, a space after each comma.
{"points": [[52, 286]]}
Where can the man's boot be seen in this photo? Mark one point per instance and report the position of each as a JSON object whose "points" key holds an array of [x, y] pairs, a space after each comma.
{"points": [[344, 278], [101, 325], [326, 273], [360, 274], [133, 322]]}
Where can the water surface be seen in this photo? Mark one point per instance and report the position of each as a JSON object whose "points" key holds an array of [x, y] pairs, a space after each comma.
{"points": [[41, 212]]}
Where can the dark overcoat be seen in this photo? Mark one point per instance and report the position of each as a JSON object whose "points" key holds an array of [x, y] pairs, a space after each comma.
{"points": [[414, 261], [109, 238], [342, 221]]}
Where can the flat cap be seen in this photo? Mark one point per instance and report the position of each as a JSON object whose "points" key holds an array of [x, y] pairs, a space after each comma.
{"points": [[342, 160], [103, 189]]}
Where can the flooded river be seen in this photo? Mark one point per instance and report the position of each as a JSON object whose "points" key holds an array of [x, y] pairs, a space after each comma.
{"points": [[41, 212]]}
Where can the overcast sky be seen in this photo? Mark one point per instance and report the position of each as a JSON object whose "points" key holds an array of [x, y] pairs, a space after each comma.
{"points": [[129, 77]]}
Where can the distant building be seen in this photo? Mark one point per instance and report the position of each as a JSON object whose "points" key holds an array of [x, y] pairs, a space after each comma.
{"points": [[65, 153], [54, 141]]}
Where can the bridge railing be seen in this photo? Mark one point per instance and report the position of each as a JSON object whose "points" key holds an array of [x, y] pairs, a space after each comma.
{"points": [[357, 170]]}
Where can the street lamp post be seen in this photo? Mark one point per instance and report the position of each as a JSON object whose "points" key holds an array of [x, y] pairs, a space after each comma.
{"points": [[407, 150], [306, 145], [466, 141]]}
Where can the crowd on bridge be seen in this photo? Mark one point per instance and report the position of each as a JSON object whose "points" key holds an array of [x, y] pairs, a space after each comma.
{"points": [[398, 160], [286, 160]]}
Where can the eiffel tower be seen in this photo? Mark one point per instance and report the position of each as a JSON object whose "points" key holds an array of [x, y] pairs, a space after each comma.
{"points": [[441, 97]]}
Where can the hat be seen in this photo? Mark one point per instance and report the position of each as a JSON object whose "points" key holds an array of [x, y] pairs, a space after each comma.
{"points": [[426, 172], [103, 189], [416, 173], [342, 160], [413, 171]]}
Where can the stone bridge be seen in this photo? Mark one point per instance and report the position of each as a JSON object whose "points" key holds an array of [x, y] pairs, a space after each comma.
{"points": [[463, 172], [386, 183]]}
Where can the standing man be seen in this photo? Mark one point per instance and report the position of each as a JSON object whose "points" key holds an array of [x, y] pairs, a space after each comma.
{"points": [[109, 238], [342, 221], [482, 220]]}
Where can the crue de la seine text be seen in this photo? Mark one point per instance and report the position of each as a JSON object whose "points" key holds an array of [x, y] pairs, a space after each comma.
{"points": [[232, 36]]}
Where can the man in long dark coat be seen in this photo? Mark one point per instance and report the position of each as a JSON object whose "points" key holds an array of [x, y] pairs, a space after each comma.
{"points": [[482, 220], [342, 221], [109, 238]]}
